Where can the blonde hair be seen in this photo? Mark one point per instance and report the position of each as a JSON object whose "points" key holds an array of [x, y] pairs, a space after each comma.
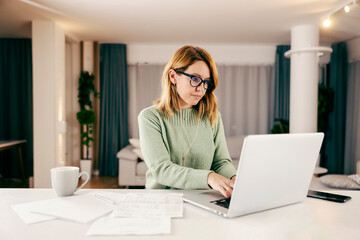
{"points": [[180, 61]]}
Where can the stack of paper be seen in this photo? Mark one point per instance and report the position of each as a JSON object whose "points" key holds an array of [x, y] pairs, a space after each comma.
{"points": [[24, 211], [132, 213], [150, 205], [81, 209], [139, 213]]}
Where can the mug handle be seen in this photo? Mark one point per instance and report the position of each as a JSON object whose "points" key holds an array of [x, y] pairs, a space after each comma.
{"points": [[83, 184]]}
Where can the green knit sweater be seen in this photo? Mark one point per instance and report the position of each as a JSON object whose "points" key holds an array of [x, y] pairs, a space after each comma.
{"points": [[163, 143]]}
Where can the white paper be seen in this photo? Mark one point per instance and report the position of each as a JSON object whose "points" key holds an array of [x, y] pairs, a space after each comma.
{"points": [[149, 205], [111, 196], [24, 212], [130, 226], [81, 209]]}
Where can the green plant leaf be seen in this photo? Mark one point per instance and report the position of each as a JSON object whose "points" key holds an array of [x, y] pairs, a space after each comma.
{"points": [[281, 126], [86, 117]]}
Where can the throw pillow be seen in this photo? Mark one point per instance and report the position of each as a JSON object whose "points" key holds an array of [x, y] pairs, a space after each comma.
{"points": [[138, 152], [135, 142], [355, 178], [339, 181]]}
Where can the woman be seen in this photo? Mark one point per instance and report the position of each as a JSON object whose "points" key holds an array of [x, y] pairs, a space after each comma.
{"points": [[182, 136]]}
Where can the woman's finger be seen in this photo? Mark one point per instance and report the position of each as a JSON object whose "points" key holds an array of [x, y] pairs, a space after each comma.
{"points": [[220, 183], [231, 183], [228, 190], [224, 193]]}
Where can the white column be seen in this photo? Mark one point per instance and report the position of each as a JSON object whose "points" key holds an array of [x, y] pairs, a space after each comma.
{"points": [[48, 49], [73, 60], [304, 79]]}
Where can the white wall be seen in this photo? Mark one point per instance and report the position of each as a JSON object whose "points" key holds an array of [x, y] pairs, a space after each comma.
{"points": [[227, 54], [222, 54]]}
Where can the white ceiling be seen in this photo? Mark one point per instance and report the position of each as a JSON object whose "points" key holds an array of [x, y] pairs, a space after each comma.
{"points": [[180, 21]]}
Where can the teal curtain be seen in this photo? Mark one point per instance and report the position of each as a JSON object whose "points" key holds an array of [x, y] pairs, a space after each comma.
{"points": [[114, 130], [282, 83], [352, 135], [335, 135], [323, 118], [16, 120]]}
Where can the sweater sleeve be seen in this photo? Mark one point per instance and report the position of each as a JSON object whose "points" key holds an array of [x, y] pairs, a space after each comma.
{"points": [[222, 163], [155, 149]]}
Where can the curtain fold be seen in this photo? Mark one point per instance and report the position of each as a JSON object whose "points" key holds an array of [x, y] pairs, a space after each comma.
{"points": [[16, 118], [114, 133], [282, 83], [335, 136], [144, 82], [245, 97], [352, 135]]}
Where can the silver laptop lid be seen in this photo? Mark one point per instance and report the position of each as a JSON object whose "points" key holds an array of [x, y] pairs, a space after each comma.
{"points": [[274, 170]]}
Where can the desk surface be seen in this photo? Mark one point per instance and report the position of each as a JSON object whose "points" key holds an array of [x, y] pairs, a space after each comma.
{"points": [[311, 219]]}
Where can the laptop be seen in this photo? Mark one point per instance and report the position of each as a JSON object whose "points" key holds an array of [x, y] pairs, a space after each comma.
{"points": [[274, 170]]}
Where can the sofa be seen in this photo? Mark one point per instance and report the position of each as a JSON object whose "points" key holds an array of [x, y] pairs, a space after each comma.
{"points": [[132, 168]]}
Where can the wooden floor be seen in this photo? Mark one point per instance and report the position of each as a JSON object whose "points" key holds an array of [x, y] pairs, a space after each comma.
{"points": [[102, 182]]}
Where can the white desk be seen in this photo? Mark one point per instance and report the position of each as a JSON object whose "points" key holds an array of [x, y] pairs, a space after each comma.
{"points": [[311, 219]]}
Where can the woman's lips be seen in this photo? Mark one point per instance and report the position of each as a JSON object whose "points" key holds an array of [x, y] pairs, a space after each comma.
{"points": [[196, 96]]}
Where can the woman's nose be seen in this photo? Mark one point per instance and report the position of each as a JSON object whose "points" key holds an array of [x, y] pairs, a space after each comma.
{"points": [[199, 88]]}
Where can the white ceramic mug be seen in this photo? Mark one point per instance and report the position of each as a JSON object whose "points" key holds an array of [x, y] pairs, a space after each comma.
{"points": [[64, 180]]}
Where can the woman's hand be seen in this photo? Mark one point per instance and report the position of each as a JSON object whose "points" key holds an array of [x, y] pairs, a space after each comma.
{"points": [[220, 183]]}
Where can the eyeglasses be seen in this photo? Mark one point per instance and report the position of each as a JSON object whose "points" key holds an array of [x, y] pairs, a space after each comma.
{"points": [[196, 81]]}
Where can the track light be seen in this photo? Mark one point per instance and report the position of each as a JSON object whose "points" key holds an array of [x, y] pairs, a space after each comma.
{"points": [[347, 7], [327, 22], [351, 5]]}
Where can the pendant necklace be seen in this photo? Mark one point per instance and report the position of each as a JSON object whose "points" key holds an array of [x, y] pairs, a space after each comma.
{"points": [[188, 139]]}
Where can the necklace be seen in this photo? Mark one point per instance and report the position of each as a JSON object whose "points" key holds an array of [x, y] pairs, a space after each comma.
{"points": [[188, 139]]}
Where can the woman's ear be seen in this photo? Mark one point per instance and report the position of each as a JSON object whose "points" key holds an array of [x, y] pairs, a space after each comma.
{"points": [[172, 77]]}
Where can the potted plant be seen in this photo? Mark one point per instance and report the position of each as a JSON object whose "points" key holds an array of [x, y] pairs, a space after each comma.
{"points": [[86, 117], [280, 126], [325, 107]]}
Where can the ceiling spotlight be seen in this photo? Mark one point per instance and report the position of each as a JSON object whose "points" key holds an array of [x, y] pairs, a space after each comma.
{"points": [[326, 22], [347, 8]]}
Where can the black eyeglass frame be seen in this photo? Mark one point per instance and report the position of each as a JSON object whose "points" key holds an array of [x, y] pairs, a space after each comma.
{"points": [[207, 81]]}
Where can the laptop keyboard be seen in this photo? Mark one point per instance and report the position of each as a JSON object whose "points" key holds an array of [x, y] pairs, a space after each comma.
{"points": [[225, 202]]}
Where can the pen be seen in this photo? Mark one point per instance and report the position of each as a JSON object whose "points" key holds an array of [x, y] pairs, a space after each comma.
{"points": [[104, 199]]}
